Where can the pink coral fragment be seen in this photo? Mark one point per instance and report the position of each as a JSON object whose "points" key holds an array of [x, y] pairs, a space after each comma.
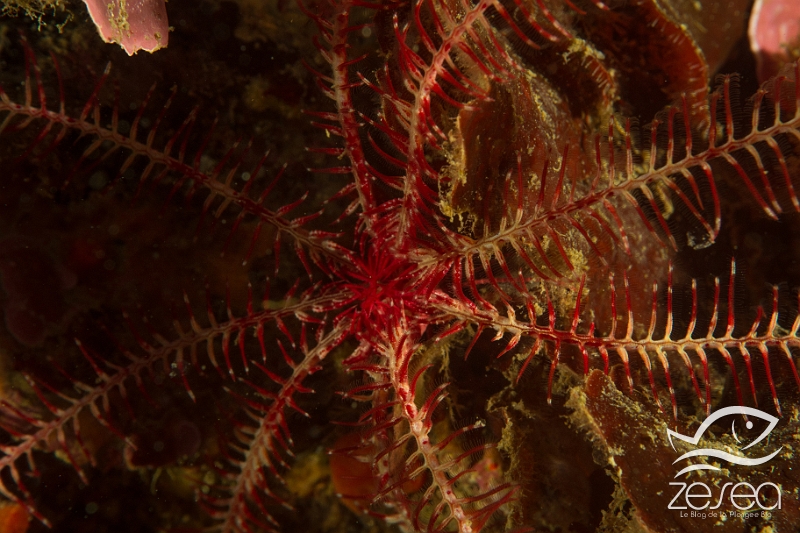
{"points": [[133, 24]]}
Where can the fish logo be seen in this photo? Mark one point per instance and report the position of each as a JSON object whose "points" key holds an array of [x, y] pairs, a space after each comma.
{"points": [[719, 454]]}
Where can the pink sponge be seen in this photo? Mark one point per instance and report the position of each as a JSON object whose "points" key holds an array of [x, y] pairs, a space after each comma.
{"points": [[774, 34], [133, 24]]}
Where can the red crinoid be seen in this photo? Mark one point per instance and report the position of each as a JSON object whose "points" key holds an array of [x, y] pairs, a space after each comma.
{"points": [[493, 224]]}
